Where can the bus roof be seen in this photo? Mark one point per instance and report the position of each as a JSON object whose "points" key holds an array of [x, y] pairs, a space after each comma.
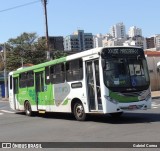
{"points": [[56, 61], [64, 59]]}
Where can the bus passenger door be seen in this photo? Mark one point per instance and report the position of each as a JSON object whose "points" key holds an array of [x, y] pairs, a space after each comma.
{"points": [[39, 88], [16, 91], [93, 85], [13, 92]]}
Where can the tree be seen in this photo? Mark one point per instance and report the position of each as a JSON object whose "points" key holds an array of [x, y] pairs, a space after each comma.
{"points": [[26, 48]]}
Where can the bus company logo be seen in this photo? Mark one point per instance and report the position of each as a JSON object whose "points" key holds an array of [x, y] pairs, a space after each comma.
{"points": [[6, 145]]}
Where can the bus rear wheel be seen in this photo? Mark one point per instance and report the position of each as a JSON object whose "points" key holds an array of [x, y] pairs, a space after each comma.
{"points": [[28, 110], [79, 112]]}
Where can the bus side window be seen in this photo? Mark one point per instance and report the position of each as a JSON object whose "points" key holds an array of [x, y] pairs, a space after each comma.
{"points": [[10, 82], [57, 73], [15, 80], [74, 70], [47, 75], [30, 79], [23, 80]]}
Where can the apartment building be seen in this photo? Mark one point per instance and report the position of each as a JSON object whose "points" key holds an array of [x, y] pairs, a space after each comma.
{"points": [[98, 40], [150, 42], [157, 41], [136, 41], [134, 31], [153, 42], [78, 41], [118, 30], [113, 42], [55, 42]]}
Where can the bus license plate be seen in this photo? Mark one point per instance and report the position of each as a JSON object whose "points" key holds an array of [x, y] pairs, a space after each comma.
{"points": [[132, 107]]}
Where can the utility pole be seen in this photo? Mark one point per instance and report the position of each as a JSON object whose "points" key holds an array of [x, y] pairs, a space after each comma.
{"points": [[5, 73], [3, 55], [44, 2]]}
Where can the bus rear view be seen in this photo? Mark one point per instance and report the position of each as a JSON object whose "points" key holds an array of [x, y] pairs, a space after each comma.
{"points": [[126, 80]]}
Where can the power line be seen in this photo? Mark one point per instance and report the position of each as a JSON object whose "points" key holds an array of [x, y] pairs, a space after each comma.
{"points": [[15, 7]]}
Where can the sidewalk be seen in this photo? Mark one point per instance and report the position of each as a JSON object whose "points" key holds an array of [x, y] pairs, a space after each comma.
{"points": [[155, 94], [3, 99]]}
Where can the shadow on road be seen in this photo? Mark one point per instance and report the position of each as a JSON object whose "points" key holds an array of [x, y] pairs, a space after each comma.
{"points": [[126, 118]]}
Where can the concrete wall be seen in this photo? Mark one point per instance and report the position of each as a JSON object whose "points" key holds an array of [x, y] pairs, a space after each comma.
{"points": [[154, 74]]}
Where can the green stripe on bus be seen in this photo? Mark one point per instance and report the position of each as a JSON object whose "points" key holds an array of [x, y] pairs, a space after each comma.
{"points": [[121, 98]]}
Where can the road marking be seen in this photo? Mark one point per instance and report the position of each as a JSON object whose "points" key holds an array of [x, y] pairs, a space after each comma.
{"points": [[6, 111], [155, 105], [1, 113]]}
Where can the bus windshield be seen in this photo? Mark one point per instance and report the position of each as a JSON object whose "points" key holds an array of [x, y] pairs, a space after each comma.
{"points": [[126, 73]]}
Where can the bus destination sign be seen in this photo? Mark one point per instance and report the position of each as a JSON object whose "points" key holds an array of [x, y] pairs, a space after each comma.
{"points": [[122, 51], [108, 52]]}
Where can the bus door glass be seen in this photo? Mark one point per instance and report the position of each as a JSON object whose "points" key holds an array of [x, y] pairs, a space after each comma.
{"points": [[39, 88], [93, 85], [15, 91]]}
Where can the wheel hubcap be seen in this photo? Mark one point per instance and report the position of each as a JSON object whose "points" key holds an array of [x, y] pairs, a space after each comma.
{"points": [[79, 110], [27, 109]]}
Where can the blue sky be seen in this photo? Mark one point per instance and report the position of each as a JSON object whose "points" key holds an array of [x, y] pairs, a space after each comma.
{"points": [[66, 16]]}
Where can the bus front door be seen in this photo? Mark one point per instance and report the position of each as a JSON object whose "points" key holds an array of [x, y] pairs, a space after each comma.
{"points": [[15, 92], [39, 88], [93, 85]]}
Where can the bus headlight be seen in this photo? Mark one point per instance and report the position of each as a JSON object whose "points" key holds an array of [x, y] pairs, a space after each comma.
{"points": [[111, 100]]}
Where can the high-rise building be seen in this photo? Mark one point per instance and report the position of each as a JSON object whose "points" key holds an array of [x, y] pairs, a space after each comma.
{"points": [[157, 41], [106, 40], [117, 35], [97, 40], [78, 41], [118, 30], [150, 42], [136, 41], [134, 31], [113, 42], [153, 42], [55, 42]]}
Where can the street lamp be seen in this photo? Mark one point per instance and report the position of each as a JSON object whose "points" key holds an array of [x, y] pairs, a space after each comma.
{"points": [[3, 49]]}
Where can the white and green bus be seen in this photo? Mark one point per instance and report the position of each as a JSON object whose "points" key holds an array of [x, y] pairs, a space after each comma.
{"points": [[101, 80]]}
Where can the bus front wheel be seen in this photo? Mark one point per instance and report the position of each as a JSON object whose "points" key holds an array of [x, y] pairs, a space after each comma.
{"points": [[28, 109], [79, 112]]}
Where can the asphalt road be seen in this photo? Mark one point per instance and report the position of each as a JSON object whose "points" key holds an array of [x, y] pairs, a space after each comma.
{"points": [[137, 126]]}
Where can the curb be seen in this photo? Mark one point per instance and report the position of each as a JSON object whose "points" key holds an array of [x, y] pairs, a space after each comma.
{"points": [[4, 100], [155, 97]]}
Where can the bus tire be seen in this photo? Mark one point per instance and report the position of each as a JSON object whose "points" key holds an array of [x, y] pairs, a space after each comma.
{"points": [[28, 109], [79, 112], [116, 115]]}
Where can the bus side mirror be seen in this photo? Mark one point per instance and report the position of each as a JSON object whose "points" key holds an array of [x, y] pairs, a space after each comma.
{"points": [[158, 69]]}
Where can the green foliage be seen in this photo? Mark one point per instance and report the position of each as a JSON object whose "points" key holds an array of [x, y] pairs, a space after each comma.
{"points": [[28, 49], [25, 49], [58, 54]]}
